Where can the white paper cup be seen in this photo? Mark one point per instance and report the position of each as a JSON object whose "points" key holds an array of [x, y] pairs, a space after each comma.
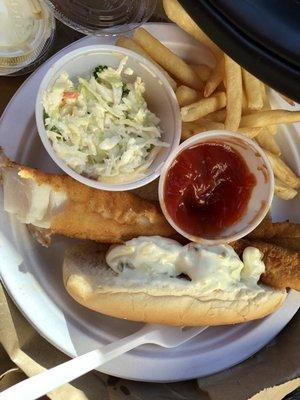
{"points": [[159, 95], [261, 196]]}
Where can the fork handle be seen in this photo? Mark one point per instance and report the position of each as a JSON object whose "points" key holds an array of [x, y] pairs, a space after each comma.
{"points": [[43, 383]]}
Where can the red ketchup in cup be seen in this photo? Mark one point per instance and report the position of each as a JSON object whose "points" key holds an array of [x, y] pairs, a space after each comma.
{"points": [[207, 188], [216, 187]]}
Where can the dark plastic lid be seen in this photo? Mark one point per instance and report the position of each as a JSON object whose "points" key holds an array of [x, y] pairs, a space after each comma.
{"points": [[261, 35]]}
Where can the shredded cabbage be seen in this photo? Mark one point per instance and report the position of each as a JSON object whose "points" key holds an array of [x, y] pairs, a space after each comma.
{"points": [[101, 126]]}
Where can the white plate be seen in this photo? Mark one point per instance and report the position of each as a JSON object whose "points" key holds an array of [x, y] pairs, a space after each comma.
{"points": [[36, 285]]}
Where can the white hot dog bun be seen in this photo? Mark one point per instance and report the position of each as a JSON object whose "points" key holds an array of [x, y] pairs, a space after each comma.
{"points": [[159, 298]]}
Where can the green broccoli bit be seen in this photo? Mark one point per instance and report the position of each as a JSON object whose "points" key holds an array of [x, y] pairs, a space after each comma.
{"points": [[125, 90], [55, 129], [99, 69]]}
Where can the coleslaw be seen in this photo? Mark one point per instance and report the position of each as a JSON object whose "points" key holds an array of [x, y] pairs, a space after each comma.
{"points": [[101, 126]]}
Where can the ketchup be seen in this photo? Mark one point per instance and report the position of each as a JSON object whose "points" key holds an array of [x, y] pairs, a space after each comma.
{"points": [[207, 188]]}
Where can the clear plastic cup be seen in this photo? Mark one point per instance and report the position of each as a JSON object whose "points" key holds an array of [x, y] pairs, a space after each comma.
{"points": [[26, 34], [159, 95], [261, 196], [102, 17]]}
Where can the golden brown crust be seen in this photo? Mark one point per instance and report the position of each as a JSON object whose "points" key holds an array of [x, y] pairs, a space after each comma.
{"points": [[289, 243], [282, 265], [99, 215], [267, 230]]}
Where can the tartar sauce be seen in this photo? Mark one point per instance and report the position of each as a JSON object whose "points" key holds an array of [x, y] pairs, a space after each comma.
{"points": [[213, 267]]}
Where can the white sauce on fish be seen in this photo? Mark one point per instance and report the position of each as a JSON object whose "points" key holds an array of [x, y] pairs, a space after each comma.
{"points": [[212, 267]]}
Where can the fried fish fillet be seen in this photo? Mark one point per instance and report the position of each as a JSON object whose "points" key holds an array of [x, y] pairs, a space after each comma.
{"points": [[282, 265], [288, 243], [57, 204], [269, 231]]}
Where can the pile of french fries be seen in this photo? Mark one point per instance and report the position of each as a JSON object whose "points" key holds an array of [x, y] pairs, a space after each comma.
{"points": [[225, 97]]}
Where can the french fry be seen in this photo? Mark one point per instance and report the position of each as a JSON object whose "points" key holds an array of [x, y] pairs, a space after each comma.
{"points": [[130, 44], [264, 96], [176, 13], [191, 128], [253, 91], [186, 95], [247, 112], [222, 87], [269, 117], [287, 99], [282, 171], [202, 70], [217, 116], [250, 132], [267, 141], [245, 109], [215, 78], [272, 129], [167, 59], [284, 191], [203, 107], [234, 92]]}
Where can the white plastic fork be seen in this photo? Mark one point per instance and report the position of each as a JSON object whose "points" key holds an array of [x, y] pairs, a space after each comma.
{"points": [[43, 383]]}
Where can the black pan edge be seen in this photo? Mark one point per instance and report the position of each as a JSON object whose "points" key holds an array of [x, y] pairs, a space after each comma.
{"points": [[272, 70]]}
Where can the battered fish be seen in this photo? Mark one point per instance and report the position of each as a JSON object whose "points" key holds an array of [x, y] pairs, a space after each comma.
{"points": [[57, 204], [282, 265], [269, 231]]}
